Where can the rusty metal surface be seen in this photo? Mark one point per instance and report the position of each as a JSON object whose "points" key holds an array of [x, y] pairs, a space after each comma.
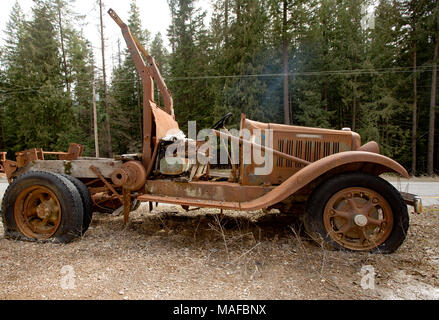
{"points": [[346, 161], [2, 160], [307, 144], [301, 155], [256, 146], [350, 161], [76, 168], [74, 152], [208, 190], [154, 155], [358, 218], [27, 156], [190, 202], [371, 146], [107, 184], [37, 212], [148, 72], [10, 168], [126, 204], [163, 122], [412, 200], [131, 176]]}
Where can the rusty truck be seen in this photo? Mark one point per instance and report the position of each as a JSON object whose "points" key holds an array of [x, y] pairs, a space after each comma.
{"points": [[326, 177]]}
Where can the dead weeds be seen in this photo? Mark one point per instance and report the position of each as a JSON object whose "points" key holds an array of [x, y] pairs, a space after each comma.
{"points": [[202, 254]]}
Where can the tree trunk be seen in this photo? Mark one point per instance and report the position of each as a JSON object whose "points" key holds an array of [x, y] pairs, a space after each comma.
{"points": [[63, 51], [238, 11], [226, 20], [325, 57], [415, 111], [287, 119], [107, 111], [430, 168], [354, 111]]}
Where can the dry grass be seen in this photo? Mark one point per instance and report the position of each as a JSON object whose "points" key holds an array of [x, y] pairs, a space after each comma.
{"points": [[201, 254]]}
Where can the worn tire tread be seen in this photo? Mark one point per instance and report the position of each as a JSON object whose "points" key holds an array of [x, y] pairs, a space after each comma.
{"points": [[72, 207], [313, 219]]}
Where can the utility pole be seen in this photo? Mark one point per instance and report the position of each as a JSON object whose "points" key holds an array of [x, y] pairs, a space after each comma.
{"points": [[430, 166], [107, 111], [95, 122]]}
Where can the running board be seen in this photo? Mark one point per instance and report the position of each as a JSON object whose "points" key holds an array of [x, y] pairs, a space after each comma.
{"points": [[202, 203]]}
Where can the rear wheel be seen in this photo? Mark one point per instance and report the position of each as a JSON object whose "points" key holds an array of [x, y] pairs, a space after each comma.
{"points": [[41, 206], [358, 212], [87, 202]]}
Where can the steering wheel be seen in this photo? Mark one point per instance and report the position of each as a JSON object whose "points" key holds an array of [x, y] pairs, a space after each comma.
{"points": [[221, 122]]}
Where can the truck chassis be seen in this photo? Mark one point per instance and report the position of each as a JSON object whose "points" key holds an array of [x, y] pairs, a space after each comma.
{"points": [[325, 176]]}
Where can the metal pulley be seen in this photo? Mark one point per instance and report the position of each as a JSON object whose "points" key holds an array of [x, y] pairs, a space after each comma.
{"points": [[131, 176]]}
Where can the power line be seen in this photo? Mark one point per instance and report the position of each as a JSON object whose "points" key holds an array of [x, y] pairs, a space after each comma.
{"points": [[347, 72]]}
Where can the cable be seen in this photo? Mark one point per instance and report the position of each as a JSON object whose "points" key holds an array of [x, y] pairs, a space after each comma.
{"points": [[310, 73]]}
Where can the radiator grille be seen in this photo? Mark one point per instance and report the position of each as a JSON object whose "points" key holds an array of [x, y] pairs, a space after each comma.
{"points": [[308, 150]]}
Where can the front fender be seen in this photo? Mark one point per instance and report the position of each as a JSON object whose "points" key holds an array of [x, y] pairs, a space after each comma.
{"points": [[377, 162]]}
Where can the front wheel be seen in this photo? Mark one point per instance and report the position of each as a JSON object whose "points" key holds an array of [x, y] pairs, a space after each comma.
{"points": [[357, 212]]}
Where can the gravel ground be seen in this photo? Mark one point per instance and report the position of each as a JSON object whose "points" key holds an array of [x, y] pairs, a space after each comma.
{"points": [[172, 254]]}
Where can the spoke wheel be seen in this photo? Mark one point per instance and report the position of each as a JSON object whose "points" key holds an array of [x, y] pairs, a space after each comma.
{"points": [[358, 218], [357, 211], [37, 212]]}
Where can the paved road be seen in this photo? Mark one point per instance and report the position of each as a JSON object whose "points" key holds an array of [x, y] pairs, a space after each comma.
{"points": [[3, 186], [429, 191]]}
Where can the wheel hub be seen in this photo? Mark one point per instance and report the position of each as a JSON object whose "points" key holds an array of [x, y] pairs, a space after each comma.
{"points": [[360, 220], [37, 212]]}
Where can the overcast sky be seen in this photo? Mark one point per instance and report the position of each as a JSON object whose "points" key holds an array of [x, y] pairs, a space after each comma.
{"points": [[155, 16]]}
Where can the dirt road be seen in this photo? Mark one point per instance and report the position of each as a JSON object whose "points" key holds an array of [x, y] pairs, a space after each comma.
{"points": [[171, 254]]}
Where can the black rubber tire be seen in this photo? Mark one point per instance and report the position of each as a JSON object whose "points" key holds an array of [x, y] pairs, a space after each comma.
{"points": [[87, 202], [135, 204], [313, 219], [104, 209], [67, 194]]}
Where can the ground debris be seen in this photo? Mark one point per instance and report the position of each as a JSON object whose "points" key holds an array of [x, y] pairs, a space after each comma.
{"points": [[173, 254]]}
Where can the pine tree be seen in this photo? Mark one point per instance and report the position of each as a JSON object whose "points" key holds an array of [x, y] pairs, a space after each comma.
{"points": [[245, 56], [189, 58], [11, 70], [388, 114], [41, 110], [161, 57], [126, 93], [80, 65]]}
